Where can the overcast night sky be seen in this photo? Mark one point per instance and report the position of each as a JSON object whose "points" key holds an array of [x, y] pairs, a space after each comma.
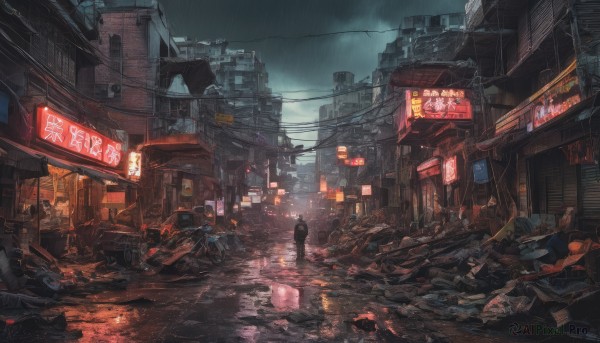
{"points": [[305, 64]]}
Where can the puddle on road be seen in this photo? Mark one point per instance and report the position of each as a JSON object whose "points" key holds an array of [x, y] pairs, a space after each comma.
{"points": [[284, 297], [104, 321]]}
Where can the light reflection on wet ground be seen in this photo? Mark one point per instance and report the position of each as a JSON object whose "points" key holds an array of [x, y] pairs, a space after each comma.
{"points": [[250, 299]]}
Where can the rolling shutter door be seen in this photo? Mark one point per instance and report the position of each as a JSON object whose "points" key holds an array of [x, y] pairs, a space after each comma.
{"points": [[590, 191], [554, 189], [569, 185], [555, 183]]}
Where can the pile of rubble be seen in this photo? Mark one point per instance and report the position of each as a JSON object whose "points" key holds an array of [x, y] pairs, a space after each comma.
{"points": [[104, 257], [34, 281], [455, 271]]}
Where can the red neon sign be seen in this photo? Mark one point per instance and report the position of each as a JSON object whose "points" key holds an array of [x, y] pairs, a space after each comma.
{"points": [[450, 173], [62, 132], [354, 162], [439, 103]]}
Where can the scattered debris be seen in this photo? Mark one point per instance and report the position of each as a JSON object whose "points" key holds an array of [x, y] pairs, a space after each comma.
{"points": [[460, 272]]}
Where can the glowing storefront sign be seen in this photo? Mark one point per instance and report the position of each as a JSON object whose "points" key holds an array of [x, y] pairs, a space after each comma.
{"points": [[331, 194], [273, 185], [439, 103], [323, 184], [354, 162], [342, 152], [450, 173], [339, 196], [134, 165], [187, 187], [556, 99], [281, 191], [59, 131], [366, 190], [220, 207], [551, 101]]}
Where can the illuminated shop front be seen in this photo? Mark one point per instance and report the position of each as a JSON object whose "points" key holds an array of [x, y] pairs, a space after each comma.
{"points": [[554, 136], [434, 123], [67, 177]]}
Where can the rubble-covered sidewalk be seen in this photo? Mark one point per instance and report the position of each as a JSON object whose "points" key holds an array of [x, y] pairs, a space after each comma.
{"points": [[100, 268], [521, 279]]}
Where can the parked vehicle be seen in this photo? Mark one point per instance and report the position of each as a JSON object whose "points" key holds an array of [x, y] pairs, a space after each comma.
{"points": [[120, 246], [113, 242]]}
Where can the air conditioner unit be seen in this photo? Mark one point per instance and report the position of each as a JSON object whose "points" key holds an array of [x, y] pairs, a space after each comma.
{"points": [[114, 90]]}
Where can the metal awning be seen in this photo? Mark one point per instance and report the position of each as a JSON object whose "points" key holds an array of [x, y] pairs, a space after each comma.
{"points": [[182, 143], [28, 162], [24, 156], [422, 74]]}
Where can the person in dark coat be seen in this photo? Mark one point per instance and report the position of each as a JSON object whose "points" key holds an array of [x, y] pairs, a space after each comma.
{"points": [[300, 233]]}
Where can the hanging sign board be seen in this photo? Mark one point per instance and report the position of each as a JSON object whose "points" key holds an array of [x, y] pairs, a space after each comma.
{"points": [[220, 207], [339, 196], [438, 103], [323, 184], [366, 190], [480, 171], [61, 132], [342, 152], [187, 187], [450, 170], [581, 152], [134, 166]]}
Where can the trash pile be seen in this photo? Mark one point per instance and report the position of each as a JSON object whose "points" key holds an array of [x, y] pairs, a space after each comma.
{"points": [[35, 281], [103, 257], [187, 250], [453, 270]]}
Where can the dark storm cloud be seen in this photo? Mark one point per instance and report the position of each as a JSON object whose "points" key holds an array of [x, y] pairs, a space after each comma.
{"points": [[307, 61], [302, 63]]}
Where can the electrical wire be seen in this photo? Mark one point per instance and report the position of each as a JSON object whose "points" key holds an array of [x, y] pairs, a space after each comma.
{"points": [[311, 35], [293, 127]]}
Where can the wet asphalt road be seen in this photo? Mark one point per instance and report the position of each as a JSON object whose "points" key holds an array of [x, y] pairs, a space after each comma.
{"points": [[263, 295]]}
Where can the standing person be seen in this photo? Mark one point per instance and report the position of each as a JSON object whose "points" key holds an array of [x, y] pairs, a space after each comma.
{"points": [[300, 233]]}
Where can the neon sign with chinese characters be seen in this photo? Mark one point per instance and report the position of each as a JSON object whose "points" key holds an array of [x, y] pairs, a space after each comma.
{"points": [[440, 103], [59, 131]]}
